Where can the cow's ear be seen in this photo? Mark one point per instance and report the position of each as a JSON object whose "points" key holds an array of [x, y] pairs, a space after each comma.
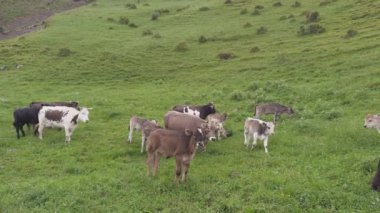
{"points": [[188, 132]]}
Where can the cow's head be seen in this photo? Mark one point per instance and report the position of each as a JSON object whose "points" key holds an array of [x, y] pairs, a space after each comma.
{"points": [[84, 115], [372, 121], [269, 128], [210, 131], [198, 136]]}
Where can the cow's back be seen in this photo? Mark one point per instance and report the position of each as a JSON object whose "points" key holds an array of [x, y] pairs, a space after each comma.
{"points": [[167, 142], [67, 114], [180, 121]]}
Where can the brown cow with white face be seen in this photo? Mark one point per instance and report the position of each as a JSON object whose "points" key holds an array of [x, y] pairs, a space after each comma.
{"points": [[173, 143], [372, 121], [180, 121]]}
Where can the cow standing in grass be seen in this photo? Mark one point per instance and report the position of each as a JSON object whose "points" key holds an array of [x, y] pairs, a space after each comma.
{"points": [[61, 117], [22, 116], [173, 143], [257, 129], [143, 125], [272, 108], [372, 121]]}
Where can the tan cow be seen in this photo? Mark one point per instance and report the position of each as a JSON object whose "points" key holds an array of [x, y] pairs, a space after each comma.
{"points": [[372, 121], [173, 143], [217, 120], [257, 129]]}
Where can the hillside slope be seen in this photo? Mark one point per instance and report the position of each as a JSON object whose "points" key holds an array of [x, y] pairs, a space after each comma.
{"points": [[127, 58]]}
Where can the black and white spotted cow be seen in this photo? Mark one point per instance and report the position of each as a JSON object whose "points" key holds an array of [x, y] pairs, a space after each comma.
{"points": [[198, 110], [61, 117]]}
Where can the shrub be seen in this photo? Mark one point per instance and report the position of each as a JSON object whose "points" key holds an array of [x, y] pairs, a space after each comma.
{"points": [[254, 86], [131, 6], [311, 29], [123, 20], [204, 8], [147, 32], [64, 52], [228, 2], [226, 56], [277, 4], [259, 7], [247, 25], [243, 11], [237, 95], [181, 47], [202, 39], [296, 4], [312, 17], [255, 49], [350, 33], [133, 25], [156, 35], [261, 30], [256, 12], [155, 16], [110, 19]]}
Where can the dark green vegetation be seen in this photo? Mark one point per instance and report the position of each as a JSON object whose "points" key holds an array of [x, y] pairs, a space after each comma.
{"points": [[321, 159]]}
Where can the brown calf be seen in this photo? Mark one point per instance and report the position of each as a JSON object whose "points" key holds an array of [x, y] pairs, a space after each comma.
{"points": [[173, 143]]}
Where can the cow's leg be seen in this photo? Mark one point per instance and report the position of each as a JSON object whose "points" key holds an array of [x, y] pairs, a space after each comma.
{"points": [[17, 127], [246, 137], [40, 129], [68, 133], [156, 162], [185, 169], [254, 141], [178, 168], [149, 163], [22, 130], [130, 133], [266, 144], [143, 140]]}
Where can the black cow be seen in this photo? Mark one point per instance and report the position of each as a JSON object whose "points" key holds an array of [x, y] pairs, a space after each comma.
{"points": [[199, 110], [40, 104], [22, 116]]}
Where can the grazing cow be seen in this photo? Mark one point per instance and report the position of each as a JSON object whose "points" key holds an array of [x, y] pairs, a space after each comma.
{"points": [[372, 121], [217, 120], [40, 104], [22, 116], [61, 117], [376, 179], [198, 110], [272, 108], [173, 143], [257, 129], [136, 123], [180, 121]]}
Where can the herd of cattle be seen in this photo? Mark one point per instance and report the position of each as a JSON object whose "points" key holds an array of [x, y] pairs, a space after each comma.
{"points": [[186, 129]]}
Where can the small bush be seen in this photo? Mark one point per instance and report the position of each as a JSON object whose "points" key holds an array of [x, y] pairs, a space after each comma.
{"points": [[228, 2], [131, 6], [123, 20], [259, 7], [155, 16], [110, 19], [64, 52], [243, 11], [256, 12], [254, 86], [277, 4], [133, 25], [156, 35], [350, 33], [237, 95], [261, 30], [254, 49], [247, 25], [312, 17], [181, 47], [147, 32], [204, 8], [202, 39], [311, 29], [296, 4], [226, 56]]}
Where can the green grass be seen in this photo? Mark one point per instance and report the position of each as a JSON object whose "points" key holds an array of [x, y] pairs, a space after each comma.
{"points": [[320, 160]]}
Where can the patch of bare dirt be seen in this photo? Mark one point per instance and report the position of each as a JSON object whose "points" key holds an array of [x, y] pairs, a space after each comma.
{"points": [[29, 23]]}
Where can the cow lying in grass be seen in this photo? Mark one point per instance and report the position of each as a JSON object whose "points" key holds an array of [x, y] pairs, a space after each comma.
{"points": [[372, 121], [257, 129], [61, 117], [173, 143]]}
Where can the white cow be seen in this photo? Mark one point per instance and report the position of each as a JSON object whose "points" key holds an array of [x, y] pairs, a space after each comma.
{"points": [[372, 121], [257, 129], [61, 117], [217, 120]]}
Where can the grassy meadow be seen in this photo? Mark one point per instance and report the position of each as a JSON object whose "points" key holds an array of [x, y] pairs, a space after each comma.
{"points": [[123, 60]]}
